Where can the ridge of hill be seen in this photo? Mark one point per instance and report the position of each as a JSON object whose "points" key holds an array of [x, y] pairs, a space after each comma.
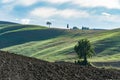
{"points": [[57, 44], [7, 22], [16, 67]]}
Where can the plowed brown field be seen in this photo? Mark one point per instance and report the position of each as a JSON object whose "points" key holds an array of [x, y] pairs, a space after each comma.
{"points": [[16, 67]]}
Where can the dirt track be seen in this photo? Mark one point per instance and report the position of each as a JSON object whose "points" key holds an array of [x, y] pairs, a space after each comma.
{"points": [[15, 67], [108, 64]]}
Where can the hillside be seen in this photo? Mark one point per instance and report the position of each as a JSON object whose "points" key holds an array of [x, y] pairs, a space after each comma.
{"points": [[15, 67], [57, 44], [6, 22]]}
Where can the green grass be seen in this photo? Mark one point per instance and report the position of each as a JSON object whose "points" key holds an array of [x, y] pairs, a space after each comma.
{"points": [[57, 44]]}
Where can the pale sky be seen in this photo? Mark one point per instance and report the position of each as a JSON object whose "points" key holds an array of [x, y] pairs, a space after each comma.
{"points": [[103, 14]]}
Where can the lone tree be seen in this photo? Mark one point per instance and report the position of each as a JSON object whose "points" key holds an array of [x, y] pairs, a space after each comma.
{"points": [[84, 50], [67, 25], [49, 23]]}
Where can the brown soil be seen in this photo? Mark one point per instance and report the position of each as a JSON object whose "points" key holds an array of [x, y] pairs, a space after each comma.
{"points": [[15, 67]]}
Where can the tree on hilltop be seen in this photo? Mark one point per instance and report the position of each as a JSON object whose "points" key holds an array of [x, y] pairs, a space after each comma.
{"points": [[49, 23], [67, 26]]}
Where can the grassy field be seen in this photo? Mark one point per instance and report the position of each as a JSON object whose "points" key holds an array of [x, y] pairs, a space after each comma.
{"points": [[57, 44]]}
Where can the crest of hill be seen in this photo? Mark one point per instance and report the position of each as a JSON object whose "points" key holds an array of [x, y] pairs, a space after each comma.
{"points": [[6, 22], [16, 67]]}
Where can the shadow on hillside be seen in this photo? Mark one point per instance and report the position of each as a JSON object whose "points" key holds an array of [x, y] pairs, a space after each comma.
{"points": [[11, 28], [16, 38], [109, 43]]}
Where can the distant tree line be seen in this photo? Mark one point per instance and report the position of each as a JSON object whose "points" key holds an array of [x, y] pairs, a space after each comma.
{"points": [[85, 28], [75, 27]]}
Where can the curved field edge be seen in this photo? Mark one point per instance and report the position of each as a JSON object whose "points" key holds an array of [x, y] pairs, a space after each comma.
{"points": [[60, 47]]}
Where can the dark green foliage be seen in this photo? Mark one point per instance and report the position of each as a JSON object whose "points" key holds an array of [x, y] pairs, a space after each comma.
{"points": [[75, 27], [67, 25], [80, 62], [85, 28], [84, 50], [49, 23]]}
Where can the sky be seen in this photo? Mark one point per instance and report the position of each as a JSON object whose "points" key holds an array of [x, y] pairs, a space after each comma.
{"points": [[99, 14]]}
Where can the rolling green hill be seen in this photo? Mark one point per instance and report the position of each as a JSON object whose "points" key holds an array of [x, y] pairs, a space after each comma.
{"points": [[57, 44]]}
